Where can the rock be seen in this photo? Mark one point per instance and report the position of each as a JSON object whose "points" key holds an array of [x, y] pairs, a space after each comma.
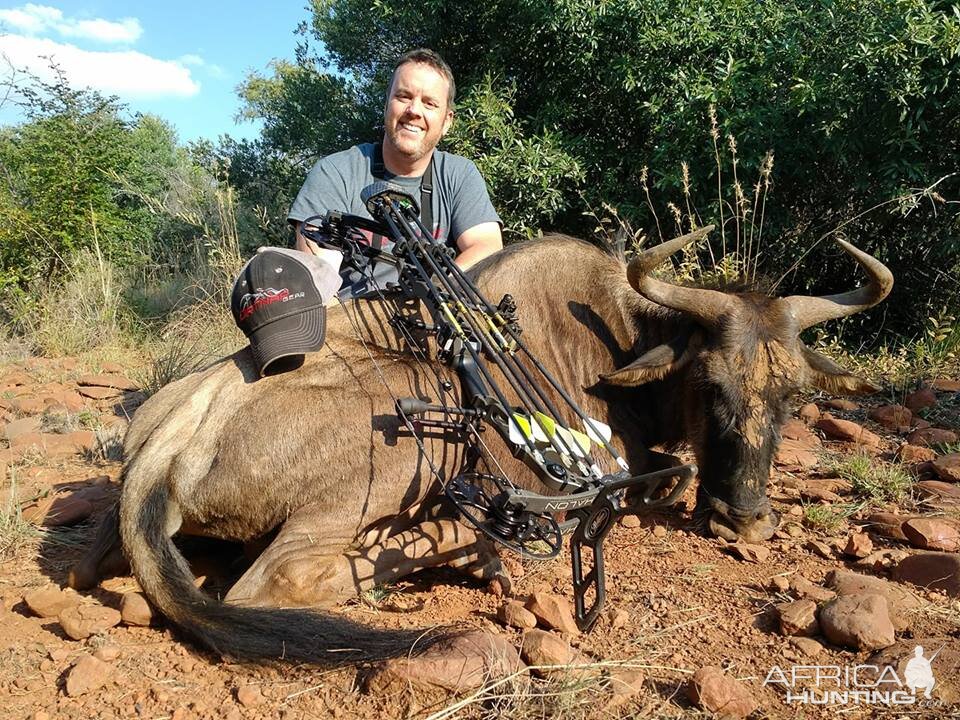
{"points": [[136, 610], [818, 494], [797, 430], [659, 531], [931, 570], [913, 454], [56, 445], [887, 525], [514, 614], [545, 649], [947, 467], [49, 601], [22, 426], [108, 653], [118, 382], [892, 417], [928, 437], [860, 622], [82, 621], [87, 674], [821, 549], [807, 646], [795, 453], [945, 385], [249, 695], [933, 534], [553, 612], [26, 405], [900, 602], [780, 584], [456, 663], [748, 552], [806, 589], [842, 404], [920, 399], [847, 430], [859, 545], [630, 521], [618, 618], [944, 655], [99, 393], [939, 493], [58, 510], [882, 559], [809, 413], [712, 690], [68, 400], [623, 683], [798, 618]]}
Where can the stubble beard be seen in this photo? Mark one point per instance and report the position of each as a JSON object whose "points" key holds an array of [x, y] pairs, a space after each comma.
{"points": [[413, 151]]}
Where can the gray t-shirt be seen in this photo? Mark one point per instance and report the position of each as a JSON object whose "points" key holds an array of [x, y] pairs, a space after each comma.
{"points": [[460, 198]]}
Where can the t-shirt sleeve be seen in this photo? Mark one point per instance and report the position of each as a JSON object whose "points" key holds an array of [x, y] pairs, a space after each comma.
{"points": [[471, 203], [324, 190]]}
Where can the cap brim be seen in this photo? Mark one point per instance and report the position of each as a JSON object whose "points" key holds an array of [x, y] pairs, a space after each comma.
{"points": [[295, 334]]}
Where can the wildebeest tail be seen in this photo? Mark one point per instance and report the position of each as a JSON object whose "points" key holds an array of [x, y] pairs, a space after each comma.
{"points": [[248, 633]]}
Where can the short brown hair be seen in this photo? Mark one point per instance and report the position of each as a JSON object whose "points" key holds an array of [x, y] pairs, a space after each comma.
{"points": [[433, 59]]}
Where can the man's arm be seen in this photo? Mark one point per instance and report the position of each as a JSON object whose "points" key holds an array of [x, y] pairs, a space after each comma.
{"points": [[301, 243], [478, 242]]}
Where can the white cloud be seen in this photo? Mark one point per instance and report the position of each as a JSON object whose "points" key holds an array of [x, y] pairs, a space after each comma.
{"points": [[191, 59], [126, 73], [33, 19]]}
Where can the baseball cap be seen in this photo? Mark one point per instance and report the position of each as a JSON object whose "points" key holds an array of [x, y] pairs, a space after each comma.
{"points": [[279, 300]]}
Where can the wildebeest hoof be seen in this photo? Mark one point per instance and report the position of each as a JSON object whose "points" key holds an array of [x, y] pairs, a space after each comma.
{"points": [[753, 532]]}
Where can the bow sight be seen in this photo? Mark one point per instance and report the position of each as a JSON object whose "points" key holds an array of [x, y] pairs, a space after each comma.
{"points": [[471, 334]]}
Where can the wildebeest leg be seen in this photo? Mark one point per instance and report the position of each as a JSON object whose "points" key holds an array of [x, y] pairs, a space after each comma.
{"points": [[104, 558], [305, 567]]}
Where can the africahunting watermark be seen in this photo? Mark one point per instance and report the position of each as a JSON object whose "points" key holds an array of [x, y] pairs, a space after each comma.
{"points": [[857, 684]]}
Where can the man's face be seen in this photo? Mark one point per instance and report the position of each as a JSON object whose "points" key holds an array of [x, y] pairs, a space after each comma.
{"points": [[416, 115]]}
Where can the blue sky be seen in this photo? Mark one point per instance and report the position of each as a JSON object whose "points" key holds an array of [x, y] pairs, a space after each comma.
{"points": [[179, 60]]}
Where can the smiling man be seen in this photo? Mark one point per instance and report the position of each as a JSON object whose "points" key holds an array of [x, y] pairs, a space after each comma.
{"points": [[453, 196]]}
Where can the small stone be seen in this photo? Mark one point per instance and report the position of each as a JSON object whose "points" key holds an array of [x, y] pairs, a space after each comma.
{"points": [[847, 430], [780, 584], [887, 525], [842, 404], [933, 534], [860, 622], [136, 610], [920, 399], [793, 530], [118, 382], [930, 437], [859, 545], [553, 612], [630, 521], [748, 552], [796, 430], [807, 646], [22, 426], [249, 695], [618, 618], [798, 618], [892, 417], [806, 589], [809, 413], [82, 621], [456, 663], [819, 494], [913, 454], [49, 601], [939, 492], [99, 393], [514, 614], [795, 454], [900, 602], [718, 693], [659, 531], [541, 648], [624, 683], [947, 467], [107, 653], [820, 548], [87, 674], [931, 570]]}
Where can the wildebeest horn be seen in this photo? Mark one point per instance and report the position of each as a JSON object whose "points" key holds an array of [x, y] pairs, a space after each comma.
{"points": [[810, 311], [706, 306]]}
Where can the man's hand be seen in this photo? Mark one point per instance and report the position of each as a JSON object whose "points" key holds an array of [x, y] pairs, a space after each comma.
{"points": [[477, 243], [304, 245]]}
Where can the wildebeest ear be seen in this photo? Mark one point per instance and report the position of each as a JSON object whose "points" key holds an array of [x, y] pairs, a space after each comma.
{"points": [[656, 363], [830, 377]]}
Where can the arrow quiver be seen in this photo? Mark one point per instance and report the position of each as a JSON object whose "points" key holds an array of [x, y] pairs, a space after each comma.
{"points": [[541, 423]]}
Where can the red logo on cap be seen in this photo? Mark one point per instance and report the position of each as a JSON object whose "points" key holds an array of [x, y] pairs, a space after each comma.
{"points": [[260, 298]]}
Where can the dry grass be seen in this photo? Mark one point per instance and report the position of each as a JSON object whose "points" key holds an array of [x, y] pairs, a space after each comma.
{"points": [[16, 534]]}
